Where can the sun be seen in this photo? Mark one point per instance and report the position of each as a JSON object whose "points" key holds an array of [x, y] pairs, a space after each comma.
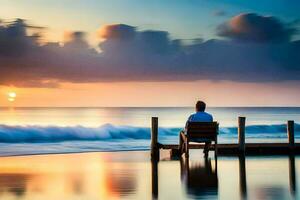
{"points": [[11, 96]]}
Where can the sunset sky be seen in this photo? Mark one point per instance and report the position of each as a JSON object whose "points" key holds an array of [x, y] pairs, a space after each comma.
{"points": [[149, 53]]}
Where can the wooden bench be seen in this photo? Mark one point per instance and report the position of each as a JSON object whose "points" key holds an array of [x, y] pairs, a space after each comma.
{"points": [[200, 132]]}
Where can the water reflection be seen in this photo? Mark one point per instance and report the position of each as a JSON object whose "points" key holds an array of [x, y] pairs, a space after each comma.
{"points": [[268, 191], [292, 175], [274, 193], [130, 175], [199, 178], [122, 181], [65, 177], [154, 178], [19, 185], [242, 178], [13, 183]]}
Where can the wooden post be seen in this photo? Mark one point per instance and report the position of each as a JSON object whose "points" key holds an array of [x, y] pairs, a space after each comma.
{"points": [[290, 133], [241, 133], [154, 140]]}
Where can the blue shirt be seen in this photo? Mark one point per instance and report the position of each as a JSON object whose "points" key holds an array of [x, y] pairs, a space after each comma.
{"points": [[200, 117]]}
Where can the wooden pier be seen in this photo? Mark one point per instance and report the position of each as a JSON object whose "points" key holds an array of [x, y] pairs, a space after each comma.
{"points": [[241, 148]]}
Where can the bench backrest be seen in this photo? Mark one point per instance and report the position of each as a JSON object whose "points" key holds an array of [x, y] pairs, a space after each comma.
{"points": [[207, 130]]}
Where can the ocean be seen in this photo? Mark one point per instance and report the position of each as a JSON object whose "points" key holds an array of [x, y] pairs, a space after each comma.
{"points": [[64, 130]]}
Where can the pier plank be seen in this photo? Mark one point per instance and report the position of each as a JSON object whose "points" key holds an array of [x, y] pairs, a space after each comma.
{"points": [[250, 148]]}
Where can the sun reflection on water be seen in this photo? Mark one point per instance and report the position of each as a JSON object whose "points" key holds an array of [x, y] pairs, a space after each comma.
{"points": [[63, 177]]}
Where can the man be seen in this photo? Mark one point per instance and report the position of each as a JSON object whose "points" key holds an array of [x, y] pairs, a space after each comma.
{"points": [[201, 116]]}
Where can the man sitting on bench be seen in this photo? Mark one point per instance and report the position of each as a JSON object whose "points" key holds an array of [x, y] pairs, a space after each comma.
{"points": [[201, 116]]}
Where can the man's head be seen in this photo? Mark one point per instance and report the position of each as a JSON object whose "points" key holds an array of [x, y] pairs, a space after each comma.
{"points": [[200, 106]]}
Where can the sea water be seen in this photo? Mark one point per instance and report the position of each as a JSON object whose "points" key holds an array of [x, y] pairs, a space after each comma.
{"points": [[131, 175], [63, 130]]}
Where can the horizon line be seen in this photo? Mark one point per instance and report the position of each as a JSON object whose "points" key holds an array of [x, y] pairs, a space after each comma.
{"points": [[255, 106]]}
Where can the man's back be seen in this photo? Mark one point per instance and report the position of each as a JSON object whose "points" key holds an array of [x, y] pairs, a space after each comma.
{"points": [[200, 117]]}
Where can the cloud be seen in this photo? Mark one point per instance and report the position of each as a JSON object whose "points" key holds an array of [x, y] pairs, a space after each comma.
{"points": [[117, 31], [13, 38], [76, 41], [128, 54], [256, 28], [122, 41]]}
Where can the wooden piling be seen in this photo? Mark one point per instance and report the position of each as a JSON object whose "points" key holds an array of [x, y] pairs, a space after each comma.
{"points": [[290, 133], [241, 133], [154, 139]]}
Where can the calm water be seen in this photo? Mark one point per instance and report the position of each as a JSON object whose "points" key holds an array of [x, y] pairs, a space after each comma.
{"points": [[57, 130], [130, 175]]}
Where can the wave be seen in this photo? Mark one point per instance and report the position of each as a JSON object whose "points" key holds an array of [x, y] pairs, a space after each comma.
{"points": [[108, 132], [261, 131], [14, 134]]}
